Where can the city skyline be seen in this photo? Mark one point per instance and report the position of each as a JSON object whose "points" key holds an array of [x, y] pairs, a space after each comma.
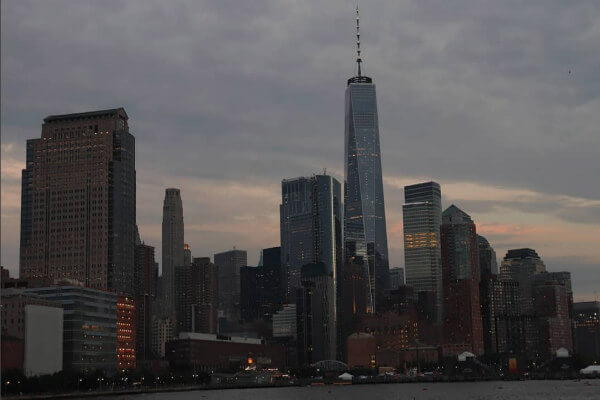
{"points": [[527, 210]]}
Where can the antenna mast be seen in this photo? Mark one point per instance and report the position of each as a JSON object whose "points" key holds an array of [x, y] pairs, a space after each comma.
{"points": [[358, 59]]}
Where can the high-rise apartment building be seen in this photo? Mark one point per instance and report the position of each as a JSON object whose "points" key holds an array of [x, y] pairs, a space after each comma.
{"points": [[196, 288], [422, 216], [229, 264], [172, 247], [460, 272], [365, 233], [163, 331], [78, 214], [311, 226]]}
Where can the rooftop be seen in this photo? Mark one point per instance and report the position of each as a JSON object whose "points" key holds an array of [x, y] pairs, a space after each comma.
{"points": [[89, 114]]}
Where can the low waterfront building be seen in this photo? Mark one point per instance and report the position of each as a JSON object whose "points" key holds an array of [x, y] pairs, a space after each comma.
{"points": [[208, 352], [32, 333], [90, 326], [361, 349]]}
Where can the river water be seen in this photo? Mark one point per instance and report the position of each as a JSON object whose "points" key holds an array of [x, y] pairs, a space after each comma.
{"points": [[542, 390]]}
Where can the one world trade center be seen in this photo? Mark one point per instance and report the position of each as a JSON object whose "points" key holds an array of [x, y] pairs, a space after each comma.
{"points": [[364, 211]]}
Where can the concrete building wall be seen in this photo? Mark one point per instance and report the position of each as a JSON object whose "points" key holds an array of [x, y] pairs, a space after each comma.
{"points": [[43, 340]]}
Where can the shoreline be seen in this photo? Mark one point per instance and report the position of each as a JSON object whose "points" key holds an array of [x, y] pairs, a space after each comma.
{"points": [[302, 383]]}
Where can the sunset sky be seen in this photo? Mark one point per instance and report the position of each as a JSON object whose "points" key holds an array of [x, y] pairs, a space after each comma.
{"points": [[499, 102]]}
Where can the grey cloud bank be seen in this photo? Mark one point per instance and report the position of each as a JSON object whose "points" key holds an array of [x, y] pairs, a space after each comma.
{"points": [[231, 95]]}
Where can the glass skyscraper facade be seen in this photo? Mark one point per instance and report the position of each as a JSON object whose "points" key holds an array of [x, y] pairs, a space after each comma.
{"points": [[365, 231], [311, 226], [422, 215]]}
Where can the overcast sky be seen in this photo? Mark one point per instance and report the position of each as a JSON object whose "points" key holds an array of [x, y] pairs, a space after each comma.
{"points": [[498, 101]]}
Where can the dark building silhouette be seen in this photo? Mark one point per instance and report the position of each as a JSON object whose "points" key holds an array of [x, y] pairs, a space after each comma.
{"points": [[460, 267], [271, 280], [229, 263], [172, 249], [488, 265], [315, 309], [587, 329], [249, 293], [505, 326], [78, 214], [263, 287], [196, 288], [144, 294]]}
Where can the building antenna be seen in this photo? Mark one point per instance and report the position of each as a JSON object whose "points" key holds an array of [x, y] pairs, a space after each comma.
{"points": [[358, 59]]}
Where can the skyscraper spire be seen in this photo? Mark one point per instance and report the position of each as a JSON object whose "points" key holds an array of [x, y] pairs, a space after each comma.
{"points": [[358, 59]]}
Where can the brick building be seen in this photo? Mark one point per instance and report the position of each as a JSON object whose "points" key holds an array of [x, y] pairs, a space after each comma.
{"points": [[207, 352]]}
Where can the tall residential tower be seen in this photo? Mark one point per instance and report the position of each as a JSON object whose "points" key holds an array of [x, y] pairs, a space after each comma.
{"points": [[364, 212], [172, 247]]}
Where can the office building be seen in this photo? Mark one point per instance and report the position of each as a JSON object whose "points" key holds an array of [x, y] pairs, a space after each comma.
{"points": [[506, 330], [460, 272], [587, 329], [422, 216], [284, 322], [551, 305], [89, 327], [365, 234], [229, 264], [311, 226], [521, 265], [396, 278], [78, 214], [488, 265], [196, 288], [126, 346], [315, 305], [144, 294], [172, 247], [271, 281]]}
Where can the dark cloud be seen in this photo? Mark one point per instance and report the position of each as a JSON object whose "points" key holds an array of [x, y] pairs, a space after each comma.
{"points": [[252, 91]]}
